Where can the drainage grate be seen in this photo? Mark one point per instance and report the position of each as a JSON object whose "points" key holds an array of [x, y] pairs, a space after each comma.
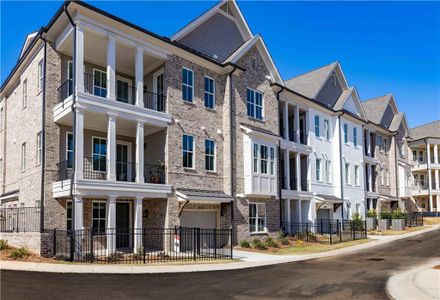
{"points": [[375, 259]]}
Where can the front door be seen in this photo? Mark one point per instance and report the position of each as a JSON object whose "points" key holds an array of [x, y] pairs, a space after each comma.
{"points": [[123, 167], [122, 225]]}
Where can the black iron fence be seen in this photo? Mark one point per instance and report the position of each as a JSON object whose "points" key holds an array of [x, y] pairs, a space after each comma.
{"points": [[154, 173], [20, 219], [146, 245], [65, 90], [327, 231], [414, 220]]}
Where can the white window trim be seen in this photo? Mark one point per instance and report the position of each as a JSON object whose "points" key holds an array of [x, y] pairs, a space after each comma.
{"points": [[318, 172], [355, 137], [357, 180], [24, 99], [23, 157], [106, 84], [345, 132], [214, 155], [40, 76], [105, 215], [39, 153], [193, 152], [347, 174], [258, 171], [327, 129], [213, 92], [185, 84], [256, 218], [155, 76], [328, 171], [255, 105], [67, 146], [103, 138]]}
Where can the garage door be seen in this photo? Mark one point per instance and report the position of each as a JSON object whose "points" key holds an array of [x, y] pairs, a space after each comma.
{"points": [[323, 214], [199, 219]]}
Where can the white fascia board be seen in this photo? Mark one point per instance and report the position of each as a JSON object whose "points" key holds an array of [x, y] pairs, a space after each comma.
{"points": [[63, 36], [258, 134]]}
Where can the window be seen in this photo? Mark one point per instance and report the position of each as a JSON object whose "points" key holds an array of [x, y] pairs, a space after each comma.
{"points": [[318, 170], [272, 161], [187, 85], [37, 205], [99, 154], [254, 104], [384, 145], [25, 94], [257, 217], [422, 180], [421, 156], [40, 75], [414, 155], [69, 215], [209, 92], [317, 134], [328, 171], [379, 142], [23, 157], [209, 155], [356, 175], [69, 150], [263, 159], [255, 158], [347, 173], [188, 151], [39, 148], [326, 129], [99, 83], [345, 133], [98, 218], [355, 138]]}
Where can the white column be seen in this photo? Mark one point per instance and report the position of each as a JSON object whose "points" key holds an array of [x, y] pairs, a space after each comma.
{"points": [[140, 152], [296, 123], [437, 184], [431, 202], [306, 127], [111, 224], [370, 178], [79, 143], [298, 211], [436, 154], [138, 224], [367, 138], [139, 74], [79, 59], [428, 153], [309, 174], [111, 67], [438, 202], [429, 179], [286, 121], [111, 148], [298, 171], [79, 212]]}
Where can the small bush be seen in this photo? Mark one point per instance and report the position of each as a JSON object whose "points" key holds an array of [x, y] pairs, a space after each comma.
{"points": [[115, 256], [357, 221], [88, 257], [3, 244], [258, 244], [19, 253], [245, 244], [312, 236], [281, 234], [163, 255], [270, 242], [284, 241], [385, 214], [300, 235], [372, 214], [398, 214]]}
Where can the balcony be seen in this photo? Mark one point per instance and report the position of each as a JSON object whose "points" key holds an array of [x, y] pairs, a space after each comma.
{"points": [[294, 124]]}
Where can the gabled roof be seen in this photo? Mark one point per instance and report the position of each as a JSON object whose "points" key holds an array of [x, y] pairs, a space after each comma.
{"points": [[375, 107], [353, 94], [395, 123], [310, 83], [224, 5], [339, 104], [27, 42], [428, 130], [257, 41]]}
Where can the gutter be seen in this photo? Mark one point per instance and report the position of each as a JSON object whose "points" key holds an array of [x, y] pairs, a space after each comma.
{"points": [[279, 168], [340, 167]]}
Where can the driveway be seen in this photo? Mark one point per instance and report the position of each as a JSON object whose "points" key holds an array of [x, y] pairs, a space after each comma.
{"points": [[361, 275]]}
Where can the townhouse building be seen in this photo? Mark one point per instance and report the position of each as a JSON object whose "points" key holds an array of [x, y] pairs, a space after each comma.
{"points": [[387, 163], [106, 125], [426, 156]]}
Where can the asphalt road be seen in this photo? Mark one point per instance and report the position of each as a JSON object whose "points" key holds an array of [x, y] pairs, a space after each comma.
{"points": [[361, 275]]}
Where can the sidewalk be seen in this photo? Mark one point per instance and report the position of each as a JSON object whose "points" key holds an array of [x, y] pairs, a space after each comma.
{"points": [[420, 283], [246, 260]]}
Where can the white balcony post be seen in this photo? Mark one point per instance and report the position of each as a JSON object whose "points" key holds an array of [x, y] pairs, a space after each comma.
{"points": [[140, 152], [111, 148], [296, 123], [286, 120], [309, 174], [138, 224], [298, 171], [436, 154], [370, 178], [287, 169], [79, 212], [428, 153], [431, 203], [367, 138], [298, 211], [79, 143], [139, 74], [438, 202], [288, 214], [111, 224], [111, 67], [79, 59], [437, 184]]}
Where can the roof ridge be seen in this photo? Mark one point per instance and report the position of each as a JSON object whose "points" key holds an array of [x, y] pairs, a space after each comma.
{"points": [[425, 124], [313, 70], [387, 94]]}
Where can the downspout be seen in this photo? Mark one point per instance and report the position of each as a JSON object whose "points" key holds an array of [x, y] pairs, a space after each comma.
{"points": [[279, 168], [341, 167], [69, 17], [43, 137], [231, 150]]}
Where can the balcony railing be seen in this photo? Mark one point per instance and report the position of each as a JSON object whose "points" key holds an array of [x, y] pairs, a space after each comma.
{"points": [[125, 171], [303, 138], [154, 173], [95, 167], [124, 92]]}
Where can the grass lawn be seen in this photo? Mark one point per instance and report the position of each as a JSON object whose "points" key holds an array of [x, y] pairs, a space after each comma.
{"points": [[395, 232], [431, 220]]}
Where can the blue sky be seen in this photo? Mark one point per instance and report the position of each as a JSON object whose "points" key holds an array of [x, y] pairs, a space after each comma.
{"points": [[383, 46]]}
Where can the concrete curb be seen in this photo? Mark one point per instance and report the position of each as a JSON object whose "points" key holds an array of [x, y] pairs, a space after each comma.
{"points": [[136, 269], [421, 283]]}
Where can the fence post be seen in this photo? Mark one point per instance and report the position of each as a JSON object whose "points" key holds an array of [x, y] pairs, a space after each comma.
{"points": [[18, 216], [215, 242], [143, 244], [331, 232], [352, 229], [72, 243], [340, 231], [307, 231], [231, 244], [194, 233], [198, 241], [365, 228], [91, 246], [54, 242], [321, 227]]}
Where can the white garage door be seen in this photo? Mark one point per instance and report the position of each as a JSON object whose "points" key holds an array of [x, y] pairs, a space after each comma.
{"points": [[199, 219]]}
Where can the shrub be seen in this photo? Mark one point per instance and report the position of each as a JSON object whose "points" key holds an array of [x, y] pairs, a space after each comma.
{"points": [[372, 214], [281, 234], [139, 253], [284, 241], [258, 244], [115, 256], [61, 257], [398, 214], [270, 242], [245, 244], [3, 244], [300, 235], [312, 236], [88, 257], [19, 253], [385, 214], [357, 221]]}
